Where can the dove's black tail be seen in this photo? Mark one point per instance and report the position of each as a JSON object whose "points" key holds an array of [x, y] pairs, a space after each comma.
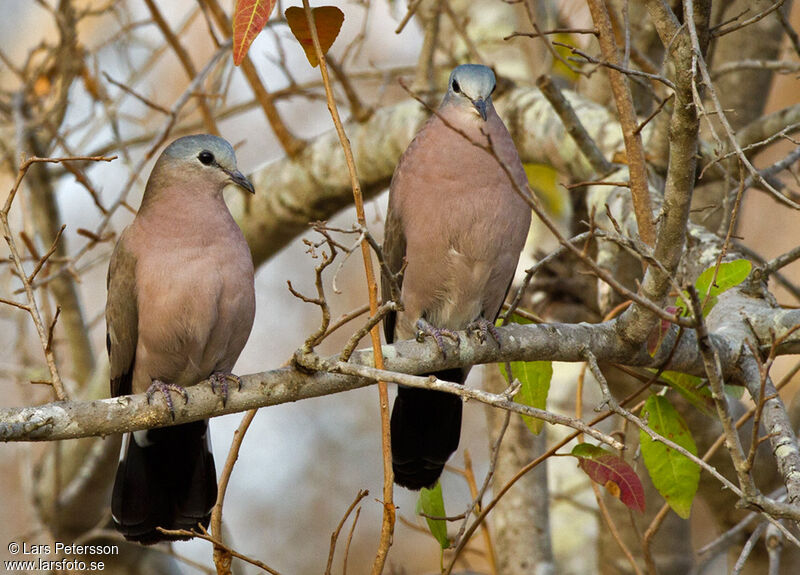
{"points": [[166, 478], [426, 428]]}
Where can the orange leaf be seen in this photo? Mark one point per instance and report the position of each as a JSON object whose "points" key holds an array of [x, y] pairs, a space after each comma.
{"points": [[249, 18], [42, 86], [328, 20]]}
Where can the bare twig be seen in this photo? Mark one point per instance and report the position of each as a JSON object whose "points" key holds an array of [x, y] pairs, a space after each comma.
{"points": [[222, 554], [185, 60], [349, 540], [362, 493], [716, 382], [387, 524], [469, 475], [748, 548], [32, 307], [496, 400], [642, 203], [613, 528], [721, 30], [351, 344], [217, 543]]}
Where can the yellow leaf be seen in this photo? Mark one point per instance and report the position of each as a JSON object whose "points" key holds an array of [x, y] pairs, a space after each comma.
{"points": [[328, 20], [559, 69], [544, 181], [249, 18], [620, 157]]}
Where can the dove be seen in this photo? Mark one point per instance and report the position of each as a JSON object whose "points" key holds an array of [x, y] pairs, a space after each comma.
{"points": [[457, 222], [180, 307]]}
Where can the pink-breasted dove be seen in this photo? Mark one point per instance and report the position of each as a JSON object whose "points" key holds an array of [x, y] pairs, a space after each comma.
{"points": [[180, 308], [456, 218]]}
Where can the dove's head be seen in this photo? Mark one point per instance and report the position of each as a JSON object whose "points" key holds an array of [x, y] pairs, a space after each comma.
{"points": [[200, 159], [470, 87]]}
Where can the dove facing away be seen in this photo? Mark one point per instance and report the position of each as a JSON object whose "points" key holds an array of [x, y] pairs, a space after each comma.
{"points": [[457, 220], [180, 308]]}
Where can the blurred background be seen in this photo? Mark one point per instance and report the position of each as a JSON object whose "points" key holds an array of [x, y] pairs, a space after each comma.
{"points": [[301, 464]]}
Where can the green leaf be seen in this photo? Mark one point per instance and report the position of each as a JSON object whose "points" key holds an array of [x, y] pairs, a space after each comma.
{"points": [[675, 476], [535, 378], [730, 274], [514, 318], [431, 503], [735, 391], [612, 472], [692, 388]]}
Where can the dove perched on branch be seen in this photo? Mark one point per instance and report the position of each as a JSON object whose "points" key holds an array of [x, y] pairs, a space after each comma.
{"points": [[457, 220], [180, 308]]}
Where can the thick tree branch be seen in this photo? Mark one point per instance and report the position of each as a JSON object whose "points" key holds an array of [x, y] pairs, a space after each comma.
{"points": [[557, 342]]}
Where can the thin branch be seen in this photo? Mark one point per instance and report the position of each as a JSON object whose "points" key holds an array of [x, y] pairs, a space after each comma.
{"points": [[496, 400], [723, 119], [349, 540], [613, 529], [222, 555], [643, 205], [469, 475], [32, 307], [387, 524], [721, 30], [574, 126], [46, 256], [748, 548], [217, 543], [591, 31], [770, 508], [143, 99], [362, 493], [291, 145], [185, 60]]}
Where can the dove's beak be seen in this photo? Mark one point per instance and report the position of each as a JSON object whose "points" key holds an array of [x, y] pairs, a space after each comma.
{"points": [[480, 106], [238, 178]]}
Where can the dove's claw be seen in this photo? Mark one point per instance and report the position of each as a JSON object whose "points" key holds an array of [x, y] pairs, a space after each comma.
{"points": [[481, 327], [438, 334], [165, 388], [219, 381]]}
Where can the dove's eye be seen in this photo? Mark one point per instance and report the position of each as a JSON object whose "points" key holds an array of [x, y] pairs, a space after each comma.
{"points": [[205, 157], [456, 87]]}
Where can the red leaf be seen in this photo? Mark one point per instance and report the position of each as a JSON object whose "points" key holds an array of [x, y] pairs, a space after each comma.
{"points": [[249, 18], [611, 472], [327, 19], [658, 332]]}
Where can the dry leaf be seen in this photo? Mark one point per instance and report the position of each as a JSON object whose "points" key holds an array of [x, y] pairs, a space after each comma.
{"points": [[328, 20]]}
